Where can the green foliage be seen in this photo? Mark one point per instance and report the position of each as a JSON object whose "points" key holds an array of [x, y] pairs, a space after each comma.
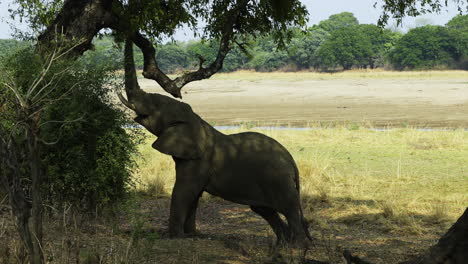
{"points": [[458, 30], [381, 42], [346, 46], [92, 162], [172, 57], [302, 49], [336, 43], [159, 19], [205, 49], [425, 47], [104, 48], [402, 8], [86, 152], [235, 60], [337, 21], [268, 61], [8, 46]]}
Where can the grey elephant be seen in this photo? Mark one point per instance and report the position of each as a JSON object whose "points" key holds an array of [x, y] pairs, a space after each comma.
{"points": [[246, 168]]}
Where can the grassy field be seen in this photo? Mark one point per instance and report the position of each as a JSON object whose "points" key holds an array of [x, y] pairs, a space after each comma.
{"points": [[410, 178]]}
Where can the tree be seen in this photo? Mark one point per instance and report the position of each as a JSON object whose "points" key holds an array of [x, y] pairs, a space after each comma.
{"points": [[458, 31], [171, 57], [346, 46], [381, 40], [62, 140], [25, 96], [302, 49], [227, 21], [401, 8], [424, 47], [337, 21]]}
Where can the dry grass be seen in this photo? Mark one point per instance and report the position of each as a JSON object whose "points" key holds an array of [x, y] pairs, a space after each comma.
{"points": [[404, 178]]}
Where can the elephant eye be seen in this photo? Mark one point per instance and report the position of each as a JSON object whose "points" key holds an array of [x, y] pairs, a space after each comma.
{"points": [[140, 118]]}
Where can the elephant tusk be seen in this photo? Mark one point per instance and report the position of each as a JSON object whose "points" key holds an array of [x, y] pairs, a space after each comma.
{"points": [[125, 102]]}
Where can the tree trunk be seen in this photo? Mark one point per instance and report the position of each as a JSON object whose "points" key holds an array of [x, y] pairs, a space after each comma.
{"points": [[10, 175], [78, 21], [452, 247], [36, 194]]}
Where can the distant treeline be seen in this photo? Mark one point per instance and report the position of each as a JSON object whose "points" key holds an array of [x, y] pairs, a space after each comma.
{"points": [[338, 43]]}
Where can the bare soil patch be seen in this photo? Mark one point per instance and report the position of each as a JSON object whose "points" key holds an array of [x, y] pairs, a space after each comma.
{"points": [[297, 100]]}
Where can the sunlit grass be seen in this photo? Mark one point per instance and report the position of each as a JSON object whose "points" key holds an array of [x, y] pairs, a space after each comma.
{"points": [[403, 179]]}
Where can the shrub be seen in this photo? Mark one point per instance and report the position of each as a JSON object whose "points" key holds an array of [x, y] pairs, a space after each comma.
{"points": [[92, 162], [86, 151]]}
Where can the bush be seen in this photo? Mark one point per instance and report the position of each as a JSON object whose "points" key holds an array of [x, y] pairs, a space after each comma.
{"points": [[92, 162], [86, 152]]}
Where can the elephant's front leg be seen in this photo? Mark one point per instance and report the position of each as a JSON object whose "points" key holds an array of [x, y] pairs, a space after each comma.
{"points": [[190, 221], [183, 208]]}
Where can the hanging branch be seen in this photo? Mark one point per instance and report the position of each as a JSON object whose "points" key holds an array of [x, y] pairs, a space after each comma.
{"points": [[152, 71]]}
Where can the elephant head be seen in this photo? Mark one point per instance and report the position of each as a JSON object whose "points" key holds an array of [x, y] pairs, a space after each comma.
{"points": [[179, 130]]}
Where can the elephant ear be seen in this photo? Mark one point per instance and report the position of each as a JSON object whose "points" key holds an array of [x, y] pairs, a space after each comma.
{"points": [[179, 140]]}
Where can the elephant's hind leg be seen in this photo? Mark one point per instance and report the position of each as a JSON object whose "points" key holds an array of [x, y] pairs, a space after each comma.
{"points": [[295, 222], [271, 216]]}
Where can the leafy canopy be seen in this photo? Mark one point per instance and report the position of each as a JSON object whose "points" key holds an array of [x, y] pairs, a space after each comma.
{"points": [[158, 19]]}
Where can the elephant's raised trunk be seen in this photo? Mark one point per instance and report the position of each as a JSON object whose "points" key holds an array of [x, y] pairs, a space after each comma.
{"points": [[131, 81]]}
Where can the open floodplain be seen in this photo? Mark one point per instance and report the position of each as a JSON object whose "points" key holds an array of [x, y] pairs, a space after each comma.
{"points": [[372, 181]]}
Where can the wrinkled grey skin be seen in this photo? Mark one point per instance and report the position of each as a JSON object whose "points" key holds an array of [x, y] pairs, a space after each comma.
{"points": [[247, 168]]}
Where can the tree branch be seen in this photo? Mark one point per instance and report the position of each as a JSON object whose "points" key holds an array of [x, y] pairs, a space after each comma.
{"points": [[152, 71], [79, 20]]}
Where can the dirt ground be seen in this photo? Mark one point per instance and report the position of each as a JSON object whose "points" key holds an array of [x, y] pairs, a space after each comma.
{"points": [[434, 102]]}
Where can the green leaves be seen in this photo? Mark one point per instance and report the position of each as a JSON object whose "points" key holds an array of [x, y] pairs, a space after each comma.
{"points": [[398, 9], [428, 47]]}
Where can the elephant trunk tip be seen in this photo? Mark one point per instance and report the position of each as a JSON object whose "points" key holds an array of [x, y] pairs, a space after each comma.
{"points": [[126, 102]]}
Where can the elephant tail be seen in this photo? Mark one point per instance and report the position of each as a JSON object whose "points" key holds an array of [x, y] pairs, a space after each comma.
{"points": [[305, 224]]}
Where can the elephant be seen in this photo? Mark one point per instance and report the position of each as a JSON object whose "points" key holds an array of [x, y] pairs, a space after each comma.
{"points": [[247, 168]]}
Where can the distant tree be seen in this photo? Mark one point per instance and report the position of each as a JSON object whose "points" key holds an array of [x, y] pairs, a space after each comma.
{"points": [[458, 30], [459, 22], [425, 47], [346, 46], [381, 40], [266, 56], [104, 48], [303, 47], [171, 57], [236, 59], [201, 52], [8, 46], [269, 61], [334, 22]]}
